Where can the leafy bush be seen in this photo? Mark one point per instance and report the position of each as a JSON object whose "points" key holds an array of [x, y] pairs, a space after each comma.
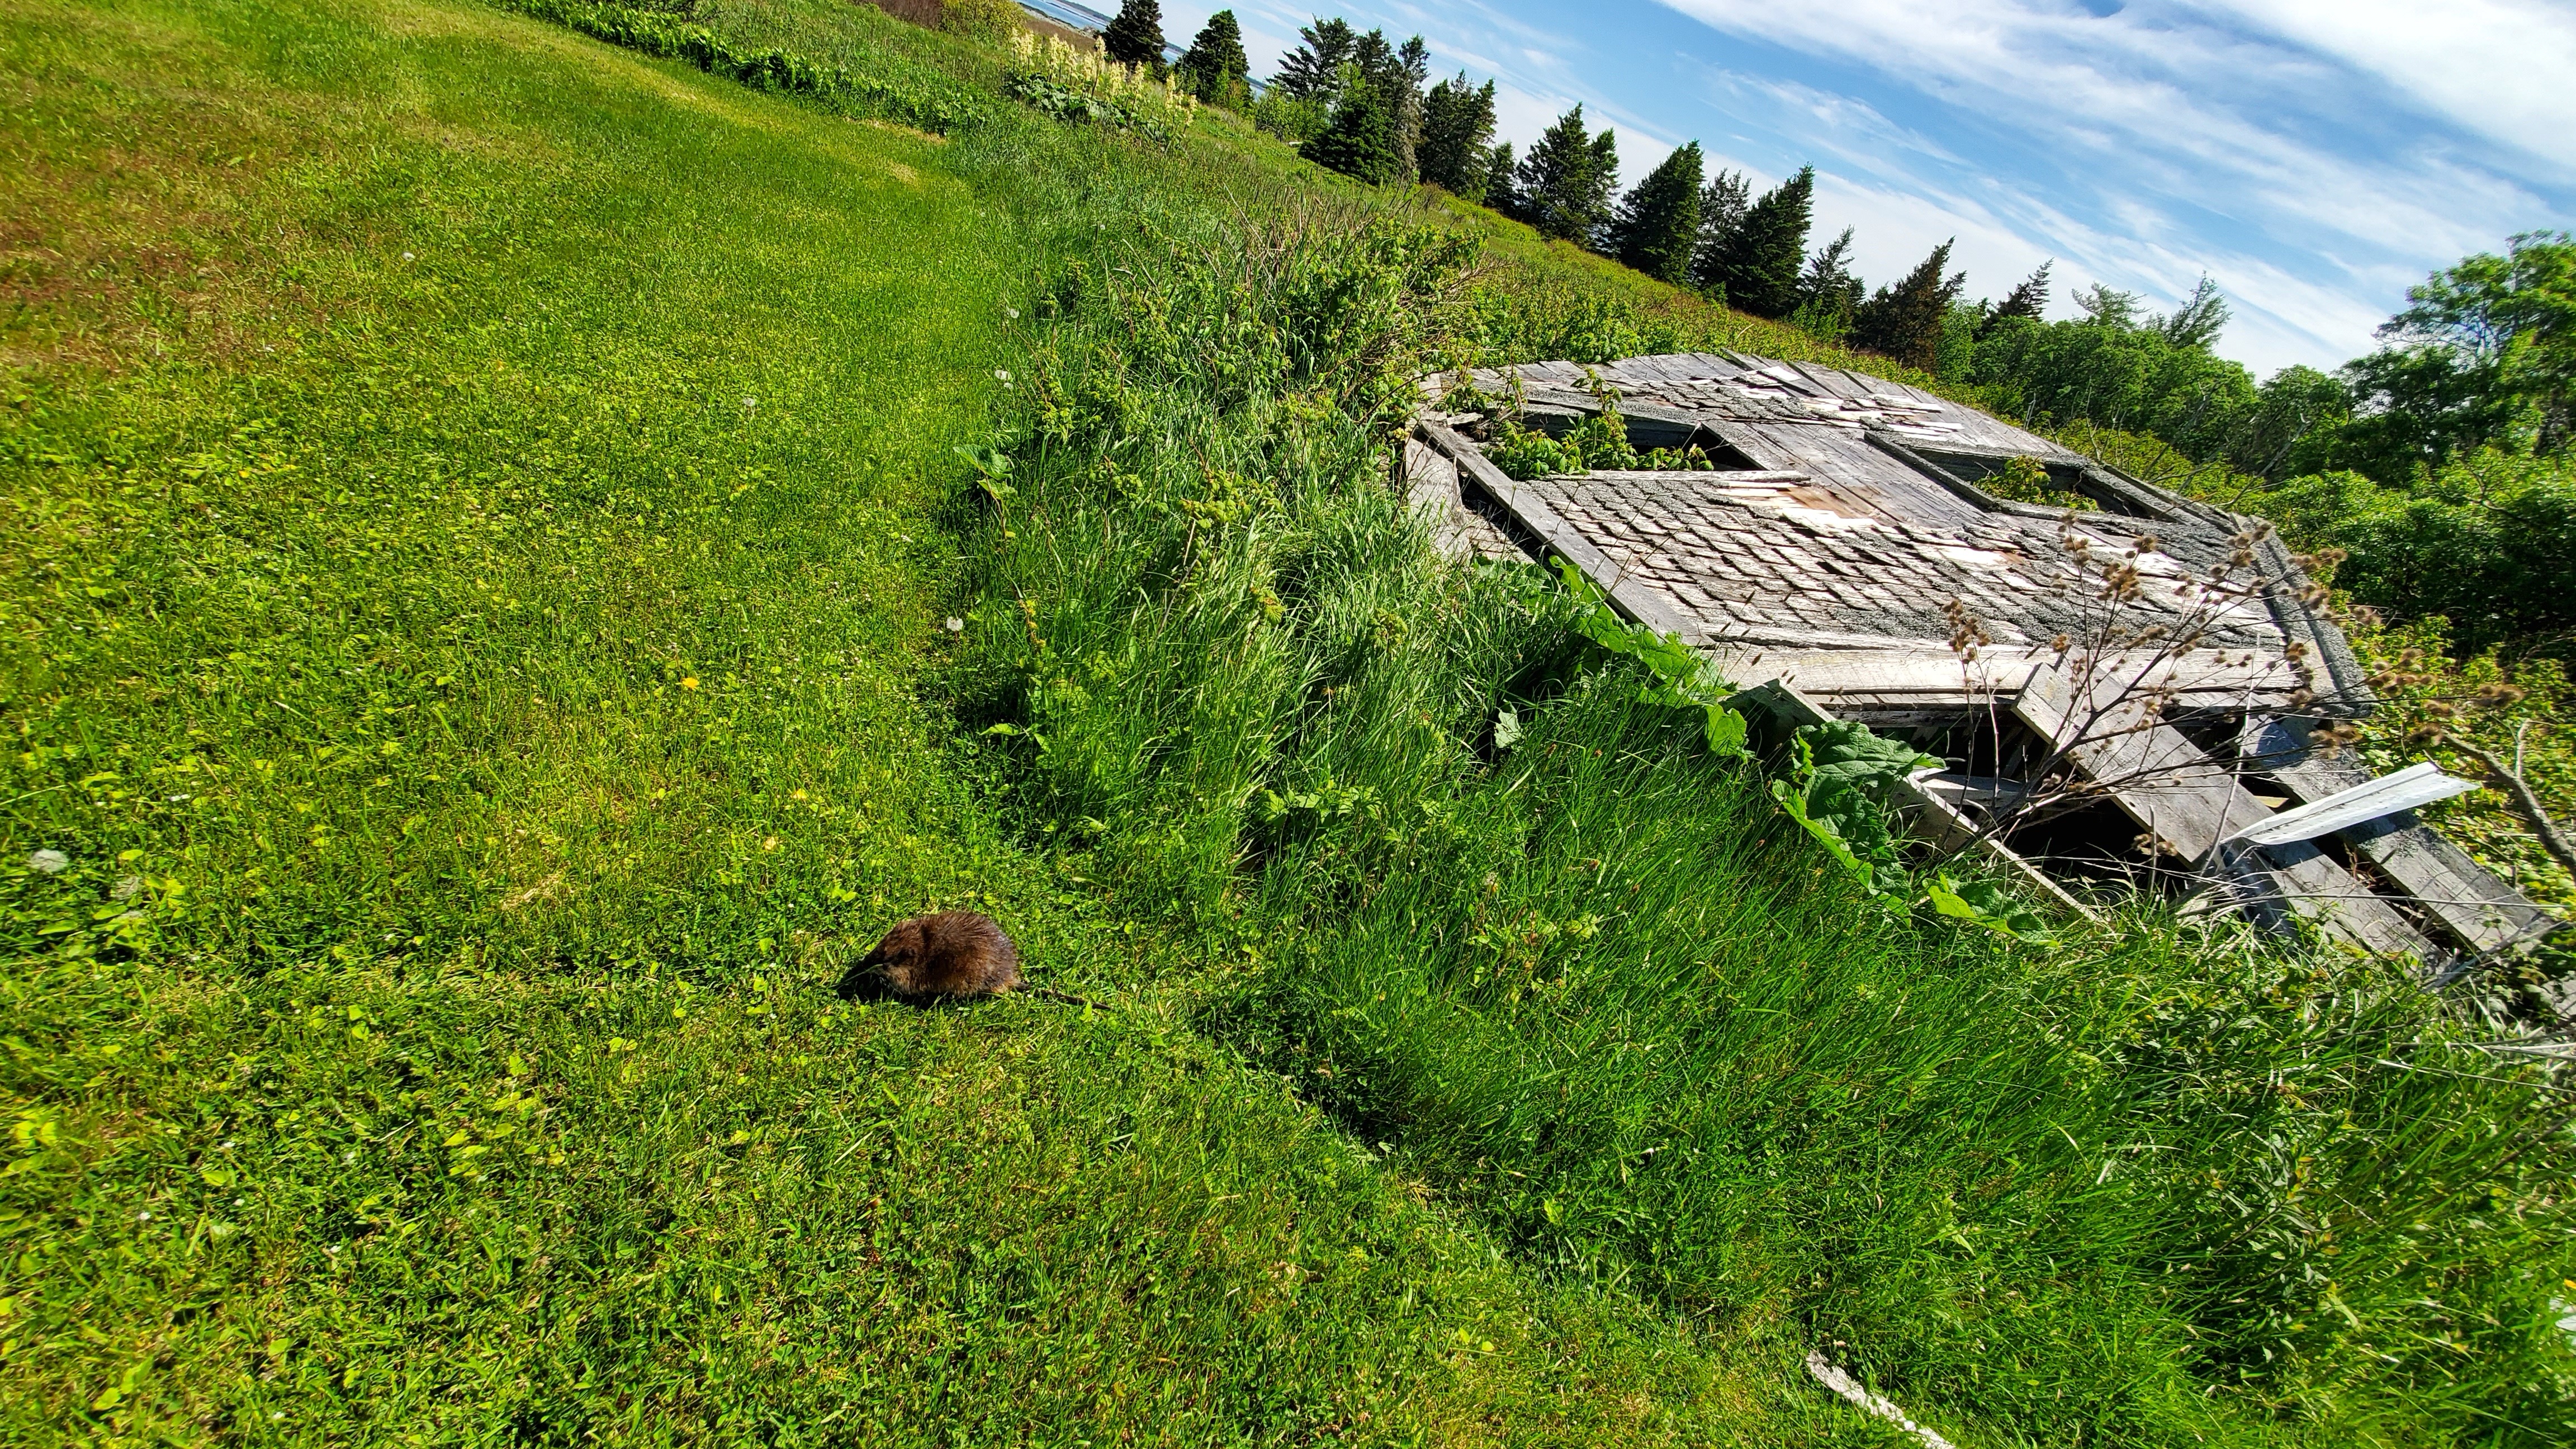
{"points": [[2127, 376], [1560, 323], [2026, 480], [2516, 706], [1293, 119], [2488, 543], [1067, 104], [891, 87], [1084, 85], [982, 19], [1838, 790]]}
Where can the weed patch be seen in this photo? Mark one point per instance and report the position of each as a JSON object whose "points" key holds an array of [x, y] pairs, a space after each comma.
{"points": [[1538, 937]]}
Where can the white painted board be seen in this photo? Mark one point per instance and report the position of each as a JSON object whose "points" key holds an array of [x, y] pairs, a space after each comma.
{"points": [[2408, 788]]}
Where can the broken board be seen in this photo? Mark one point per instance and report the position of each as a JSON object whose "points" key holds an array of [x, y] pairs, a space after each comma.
{"points": [[2191, 803], [1940, 824], [2470, 903]]}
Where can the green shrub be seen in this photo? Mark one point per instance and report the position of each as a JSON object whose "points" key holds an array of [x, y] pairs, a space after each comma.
{"points": [[890, 86], [1293, 119], [2488, 543], [981, 19]]}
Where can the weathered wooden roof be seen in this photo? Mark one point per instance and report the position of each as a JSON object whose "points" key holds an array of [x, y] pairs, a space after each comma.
{"points": [[1844, 556], [1836, 559]]}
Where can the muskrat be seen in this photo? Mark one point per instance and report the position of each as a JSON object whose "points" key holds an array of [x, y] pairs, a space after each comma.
{"points": [[953, 953]]}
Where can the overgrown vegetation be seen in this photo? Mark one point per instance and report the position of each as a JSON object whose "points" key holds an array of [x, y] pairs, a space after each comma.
{"points": [[455, 749], [1511, 917], [450, 752], [891, 87]]}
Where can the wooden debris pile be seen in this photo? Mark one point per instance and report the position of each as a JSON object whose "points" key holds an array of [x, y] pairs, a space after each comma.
{"points": [[2127, 688]]}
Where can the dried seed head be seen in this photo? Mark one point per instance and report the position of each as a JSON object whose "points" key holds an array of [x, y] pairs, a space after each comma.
{"points": [[2496, 694]]}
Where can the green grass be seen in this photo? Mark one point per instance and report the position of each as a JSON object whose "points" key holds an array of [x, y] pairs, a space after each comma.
{"points": [[2159, 1185], [475, 539], [482, 508]]}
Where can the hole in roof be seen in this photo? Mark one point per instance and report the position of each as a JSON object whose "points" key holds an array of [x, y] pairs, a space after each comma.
{"points": [[2069, 484]]}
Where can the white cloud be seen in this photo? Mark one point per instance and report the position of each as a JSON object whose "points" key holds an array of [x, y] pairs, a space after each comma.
{"points": [[2281, 150], [2503, 68], [2315, 156]]}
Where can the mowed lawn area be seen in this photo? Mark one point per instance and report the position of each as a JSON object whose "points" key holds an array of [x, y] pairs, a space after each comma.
{"points": [[478, 507]]}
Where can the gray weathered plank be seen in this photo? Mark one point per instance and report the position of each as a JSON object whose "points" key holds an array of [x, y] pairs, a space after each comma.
{"points": [[1835, 666], [1629, 594], [2192, 803], [2159, 778], [2483, 912]]}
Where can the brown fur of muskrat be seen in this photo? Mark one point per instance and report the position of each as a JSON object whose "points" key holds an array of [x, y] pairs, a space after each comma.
{"points": [[953, 954]]}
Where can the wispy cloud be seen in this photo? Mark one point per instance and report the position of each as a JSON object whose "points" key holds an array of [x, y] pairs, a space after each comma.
{"points": [[2501, 68], [2314, 157]]}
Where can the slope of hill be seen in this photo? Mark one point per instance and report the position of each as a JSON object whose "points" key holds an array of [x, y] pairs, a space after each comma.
{"points": [[485, 517], [473, 540]]}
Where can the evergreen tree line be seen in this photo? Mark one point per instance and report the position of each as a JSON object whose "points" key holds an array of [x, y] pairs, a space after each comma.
{"points": [[2483, 360], [1357, 104], [1214, 68]]}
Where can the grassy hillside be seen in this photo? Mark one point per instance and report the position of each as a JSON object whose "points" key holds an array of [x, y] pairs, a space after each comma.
{"points": [[484, 512], [473, 540]]}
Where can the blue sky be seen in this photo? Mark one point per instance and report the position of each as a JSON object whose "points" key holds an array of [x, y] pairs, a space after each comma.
{"points": [[2316, 158]]}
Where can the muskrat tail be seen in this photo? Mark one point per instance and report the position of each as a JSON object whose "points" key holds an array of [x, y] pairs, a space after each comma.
{"points": [[1068, 997]]}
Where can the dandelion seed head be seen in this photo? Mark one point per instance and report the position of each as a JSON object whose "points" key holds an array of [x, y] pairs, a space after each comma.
{"points": [[956, 625], [49, 862]]}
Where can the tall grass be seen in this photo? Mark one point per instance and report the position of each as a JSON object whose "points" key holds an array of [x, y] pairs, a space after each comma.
{"points": [[458, 644], [2167, 1184]]}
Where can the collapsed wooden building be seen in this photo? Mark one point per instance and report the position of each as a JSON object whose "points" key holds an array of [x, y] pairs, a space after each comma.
{"points": [[2123, 681]]}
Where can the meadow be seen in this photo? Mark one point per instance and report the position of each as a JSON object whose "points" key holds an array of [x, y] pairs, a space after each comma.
{"points": [[486, 508]]}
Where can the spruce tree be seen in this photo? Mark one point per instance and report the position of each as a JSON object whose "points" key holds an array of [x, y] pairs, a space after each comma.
{"points": [[1828, 294], [1563, 186], [1404, 104], [2028, 298], [1759, 265], [1906, 321], [1136, 36], [1502, 180], [1721, 210], [2197, 322], [1216, 70], [1360, 140], [1658, 222], [1457, 137], [1396, 75], [1601, 199], [2107, 306], [1313, 71]]}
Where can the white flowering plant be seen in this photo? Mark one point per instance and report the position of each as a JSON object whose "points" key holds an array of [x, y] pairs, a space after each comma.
{"points": [[1075, 84]]}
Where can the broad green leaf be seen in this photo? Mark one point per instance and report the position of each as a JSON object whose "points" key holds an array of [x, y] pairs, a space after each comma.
{"points": [[1987, 904]]}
